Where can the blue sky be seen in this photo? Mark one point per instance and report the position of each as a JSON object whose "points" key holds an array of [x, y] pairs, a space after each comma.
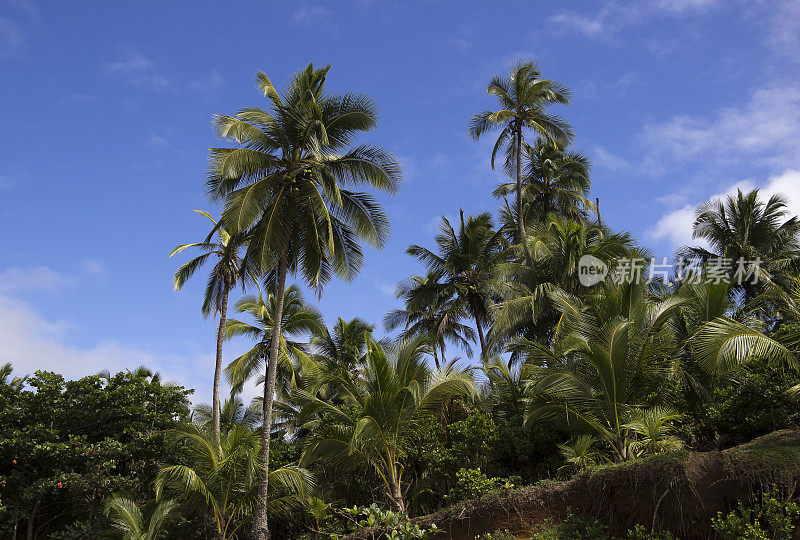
{"points": [[106, 118]]}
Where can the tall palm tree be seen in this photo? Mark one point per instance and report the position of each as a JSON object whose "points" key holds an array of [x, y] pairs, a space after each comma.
{"points": [[466, 260], [555, 179], [131, 523], [384, 411], [524, 97], [227, 272], [224, 477], [430, 313], [285, 182], [744, 227], [298, 319]]}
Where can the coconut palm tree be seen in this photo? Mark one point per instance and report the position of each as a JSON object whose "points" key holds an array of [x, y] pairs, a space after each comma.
{"points": [[555, 180], [131, 523], [525, 308], [430, 314], [466, 261], [287, 182], [524, 97], [384, 411], [299, 319], [224, 478], [346, 345], [743, 227], [234, 413], [226, 274]]}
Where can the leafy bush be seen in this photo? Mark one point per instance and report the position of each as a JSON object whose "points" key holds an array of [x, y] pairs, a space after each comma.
{"points": [[501, 534], [770, 519], [473, 484], [400, 528], [572, 528]]}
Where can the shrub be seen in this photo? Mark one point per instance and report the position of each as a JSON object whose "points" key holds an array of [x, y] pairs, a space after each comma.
{"points": [[770, 519], [473, 484]]}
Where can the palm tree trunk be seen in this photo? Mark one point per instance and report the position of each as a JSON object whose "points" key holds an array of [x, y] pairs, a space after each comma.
{"points": [[260, 529], [482, 339], [436, 356], [520, 219], [215, 407]]}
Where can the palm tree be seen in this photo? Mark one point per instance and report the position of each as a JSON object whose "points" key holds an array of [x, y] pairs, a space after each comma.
{"points": [[654, 430], [298, 319], [285, 183], [346, 345], [226, 274], [223, 476], [466, 260], [131, 523], [744, 228], [608, 356], [383, 413], [234, 413], [525, 308], [5, 373], [524, 97], [556, 179], [430, 314]]}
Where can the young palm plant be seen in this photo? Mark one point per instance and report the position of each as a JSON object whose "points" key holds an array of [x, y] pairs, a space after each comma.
{"points": [[131, 523], [383, 412], [224, 478], [287, 182], [226, 274], [524, 97]]}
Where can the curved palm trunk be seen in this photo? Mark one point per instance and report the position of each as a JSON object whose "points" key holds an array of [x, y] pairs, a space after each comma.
{"points": [[260, 529], [520, 219], [215, 407], [481, 337]]}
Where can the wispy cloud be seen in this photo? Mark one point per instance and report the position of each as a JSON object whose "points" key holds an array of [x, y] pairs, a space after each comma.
{"points": [[138, 70], [93, 267], [35, 279], [307, 14], [211, 82], [612, 17], [764, 131], [33, 342], [676, 226]]}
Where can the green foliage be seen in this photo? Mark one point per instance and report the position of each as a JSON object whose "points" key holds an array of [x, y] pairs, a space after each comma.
{"points": [[397, 523], [473, 484], [66, 445], [501, 534], [770, 519], [573, 527], [640, 532]]}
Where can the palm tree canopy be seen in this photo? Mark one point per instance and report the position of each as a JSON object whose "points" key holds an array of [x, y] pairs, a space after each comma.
{"points": [[288, 180]]}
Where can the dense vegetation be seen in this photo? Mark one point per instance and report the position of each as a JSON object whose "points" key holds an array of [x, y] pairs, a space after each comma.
{"points": [[352, 430]]}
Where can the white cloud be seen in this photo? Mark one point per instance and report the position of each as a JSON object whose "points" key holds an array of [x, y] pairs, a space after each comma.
{"points": [[306, 14], [36, 279], [12, 38], [614, 16], [605, 159], [211, 82], [158, 141], [93, 267], [675, 227], [138, 70], [31, 342], [764, 132]]}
